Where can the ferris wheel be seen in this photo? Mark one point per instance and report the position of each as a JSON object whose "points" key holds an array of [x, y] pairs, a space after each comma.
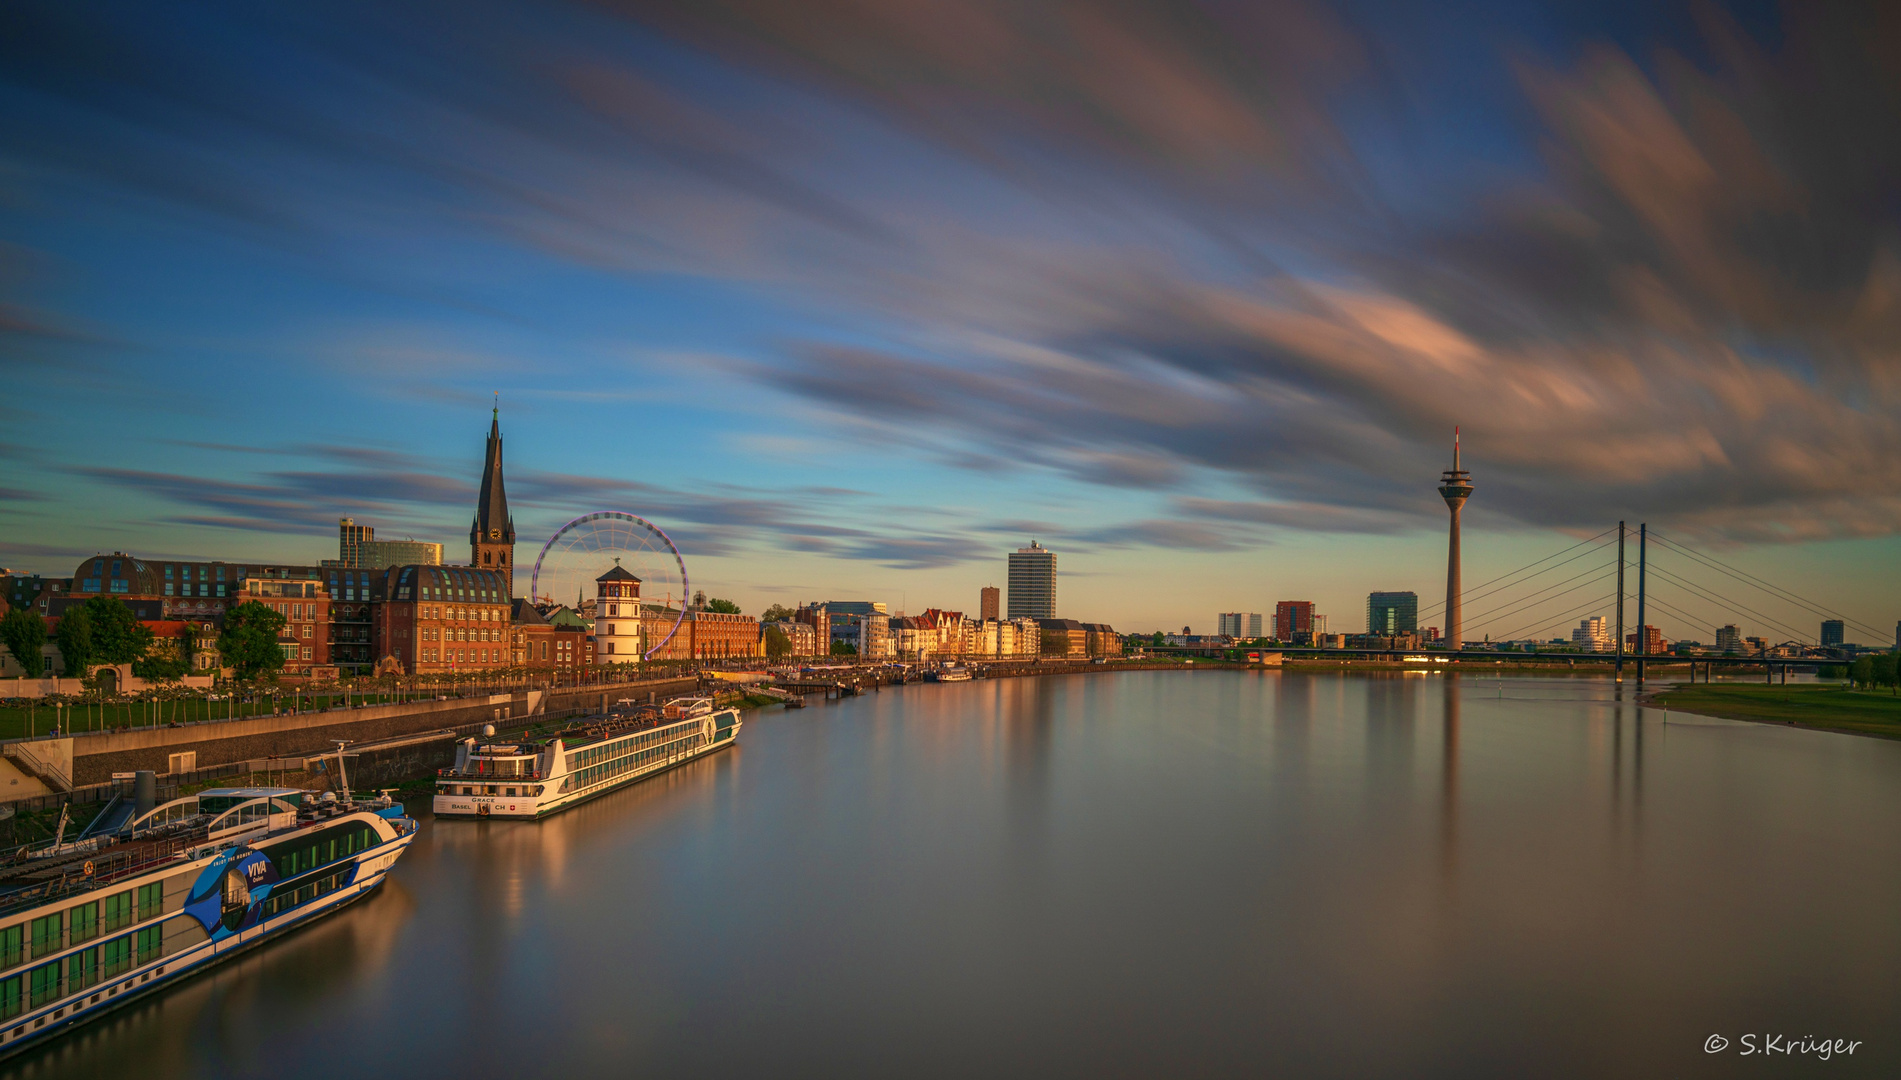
{"points": [[593, 544]]}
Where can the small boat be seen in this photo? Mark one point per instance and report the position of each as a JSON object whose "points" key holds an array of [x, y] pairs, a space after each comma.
{"points": [[953, 674], [187, 884], [537, 777]]}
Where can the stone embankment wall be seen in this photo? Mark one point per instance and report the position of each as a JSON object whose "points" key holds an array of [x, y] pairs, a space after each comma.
{"points": [[97, 755]]}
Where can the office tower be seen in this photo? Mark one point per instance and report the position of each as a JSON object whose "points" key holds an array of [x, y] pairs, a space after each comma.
{"points": [[1293, 617], [350, 539], [989, 603], [1389, 613], [1238, 624], [1729, 639], [1033, 582], [1831, 632], [1593, 635]]}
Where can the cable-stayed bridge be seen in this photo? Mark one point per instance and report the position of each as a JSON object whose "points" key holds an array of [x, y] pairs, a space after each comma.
{"points": [[1632, 578]]}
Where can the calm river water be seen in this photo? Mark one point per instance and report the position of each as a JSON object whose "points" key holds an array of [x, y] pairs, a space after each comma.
{"points": [[1140, 874]]}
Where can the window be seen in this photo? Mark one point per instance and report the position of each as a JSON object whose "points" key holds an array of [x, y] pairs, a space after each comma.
{"points": [[84, 923], [44, 984], [11, 940], [49, 934], [11, 1002], [151, 900], [115, 956], [306, 631], [149, 943], [306, 648], [117, 912], [82, 970]]}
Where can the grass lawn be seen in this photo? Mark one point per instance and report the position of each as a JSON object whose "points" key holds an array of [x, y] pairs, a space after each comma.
{"points": [[21, 720], [1837, 708]]}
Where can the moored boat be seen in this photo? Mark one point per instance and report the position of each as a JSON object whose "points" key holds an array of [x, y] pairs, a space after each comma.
{"points": [[528, 778], [183, 886]]}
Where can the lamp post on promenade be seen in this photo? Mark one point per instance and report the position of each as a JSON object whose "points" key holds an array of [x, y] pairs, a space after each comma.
{"points": [[1456, 486]]}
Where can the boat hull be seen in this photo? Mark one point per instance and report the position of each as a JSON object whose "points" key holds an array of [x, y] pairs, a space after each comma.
{"points": [[528, 808], [38, 1025]]}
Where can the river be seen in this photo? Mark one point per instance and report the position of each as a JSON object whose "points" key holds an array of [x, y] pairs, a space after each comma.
{"points": [[1134, 874]]}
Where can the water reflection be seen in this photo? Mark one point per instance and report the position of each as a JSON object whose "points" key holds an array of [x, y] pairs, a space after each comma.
{"points": [[1138, 874]]}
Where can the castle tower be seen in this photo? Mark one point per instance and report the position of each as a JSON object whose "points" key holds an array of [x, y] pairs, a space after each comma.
{"points": [[492, 535], [617, 627], [1456, 486]]}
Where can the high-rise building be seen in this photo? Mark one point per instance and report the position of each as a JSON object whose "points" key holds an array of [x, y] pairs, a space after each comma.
{"points": [[1293, 617], [990, 603], [1239, 624], [1033, 582], [1832, 632], [1593, 635], [383, 554], [1652, 643], [1729, 639], [350, 538], [492, 533], [1455, 486], [1391, 613]]}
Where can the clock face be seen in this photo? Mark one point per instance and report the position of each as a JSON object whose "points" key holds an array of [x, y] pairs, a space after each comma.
{"points": [[495, 534]]}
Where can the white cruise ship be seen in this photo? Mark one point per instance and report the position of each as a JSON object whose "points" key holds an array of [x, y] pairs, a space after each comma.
{"points": [[89, 926], [537, 777]]}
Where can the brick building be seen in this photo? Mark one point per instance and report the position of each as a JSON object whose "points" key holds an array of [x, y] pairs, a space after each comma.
{"points": [[305, 606], [440, 619]]}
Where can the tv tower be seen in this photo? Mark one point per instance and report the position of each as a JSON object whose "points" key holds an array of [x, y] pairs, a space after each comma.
{"points": [[1456, 486]]}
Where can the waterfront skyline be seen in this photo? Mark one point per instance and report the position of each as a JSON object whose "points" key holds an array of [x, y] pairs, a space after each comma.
{"points": [[846, 336]]}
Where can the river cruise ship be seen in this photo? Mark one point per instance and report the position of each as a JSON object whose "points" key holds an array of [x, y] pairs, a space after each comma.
{"points": [[537, 777], [86, 927]]}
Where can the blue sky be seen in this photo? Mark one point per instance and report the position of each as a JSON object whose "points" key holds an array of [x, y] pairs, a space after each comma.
{"points": [[855, 300]]}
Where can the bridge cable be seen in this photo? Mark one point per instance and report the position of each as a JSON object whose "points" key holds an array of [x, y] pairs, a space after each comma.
{"points": [[1566, 617], [1483, 617], [1474, 594], [1774, 590], [1608, 574], [1725, 602]]}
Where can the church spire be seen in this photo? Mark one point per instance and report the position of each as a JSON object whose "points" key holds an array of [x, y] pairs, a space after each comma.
{"points": [[492, 534]]}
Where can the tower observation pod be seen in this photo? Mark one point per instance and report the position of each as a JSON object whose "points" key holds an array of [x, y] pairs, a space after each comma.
{"points": [[1456, 485]]}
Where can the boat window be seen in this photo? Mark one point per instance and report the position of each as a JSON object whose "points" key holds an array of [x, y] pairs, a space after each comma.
{"points": [[84, 922], [49, 933], [117, 911], [151, 900], [116, 955], [44, 983], [12, 1003], [11, 942]]}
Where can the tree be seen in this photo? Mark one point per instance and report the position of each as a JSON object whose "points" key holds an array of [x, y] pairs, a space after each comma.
{"points": [[844, 648], [249, 641], [777, 613], [168, 663], [723, 607], [118, 637], [23, 632], [75, 640], [777, 644]]}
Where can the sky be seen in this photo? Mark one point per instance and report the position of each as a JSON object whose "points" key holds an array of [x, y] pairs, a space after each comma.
{"points": [[854, 298]]}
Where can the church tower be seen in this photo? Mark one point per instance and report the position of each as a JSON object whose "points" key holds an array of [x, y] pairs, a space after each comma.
{"points": [[492, 536]]}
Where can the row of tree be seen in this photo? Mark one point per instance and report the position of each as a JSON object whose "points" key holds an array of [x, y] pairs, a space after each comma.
{"points": [[1876, 670], [105, 630]]}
